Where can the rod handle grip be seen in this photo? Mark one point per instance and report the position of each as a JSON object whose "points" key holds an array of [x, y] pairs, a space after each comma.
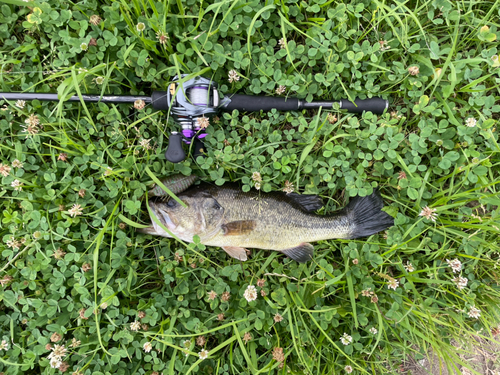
{"points": [[251, 103], [175, 153], [375, 105]]}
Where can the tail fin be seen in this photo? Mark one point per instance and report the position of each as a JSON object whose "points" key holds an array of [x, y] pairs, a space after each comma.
{"points": [[366, 216]]}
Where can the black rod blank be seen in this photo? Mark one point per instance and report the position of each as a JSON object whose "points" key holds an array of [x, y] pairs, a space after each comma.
{"points": [[75, 98]]}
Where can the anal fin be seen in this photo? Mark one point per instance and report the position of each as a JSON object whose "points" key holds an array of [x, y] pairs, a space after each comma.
{"points": [[239, 253], [302, 253]]}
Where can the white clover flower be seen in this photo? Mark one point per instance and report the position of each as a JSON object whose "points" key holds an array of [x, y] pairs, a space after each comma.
{"points": [[30, 129], [281, 90], [471, 122], [20, 104], [250, 293], [460, 282], [140, 26], [13, 243], [345, 339], [384, 45], [17, 185], [203, 354], [474, 313], [162, 37], [5, 170], [256, 176], [429, 213], [4, 345], [55, 362], [288, 187], [409, 267], [496, 61], [135, 326], [32, 120], [139, 104], [84, 46], [75, 343], [203, 122], [95, 19], [58, 352], [75, 210], [233, 75], [144, 143], [348, 369], [17, 164], [393, 284], [366, 292], [373, 331], [455, 264], [147, 347]]}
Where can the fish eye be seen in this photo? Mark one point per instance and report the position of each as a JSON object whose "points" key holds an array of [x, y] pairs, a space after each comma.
{"points": [[217, 206], [171, 203]]}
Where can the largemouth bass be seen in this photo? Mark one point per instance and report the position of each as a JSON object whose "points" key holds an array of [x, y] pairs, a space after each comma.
{"points": [[234, 220]]}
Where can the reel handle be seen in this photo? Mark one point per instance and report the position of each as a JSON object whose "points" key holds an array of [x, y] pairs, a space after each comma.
{"points": [[175, 153]]}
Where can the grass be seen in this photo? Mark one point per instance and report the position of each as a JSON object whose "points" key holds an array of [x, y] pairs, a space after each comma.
{"points": [[437, 63]]}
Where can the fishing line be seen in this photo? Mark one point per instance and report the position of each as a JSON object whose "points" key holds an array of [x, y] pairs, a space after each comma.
{"points": [[199, 95]]}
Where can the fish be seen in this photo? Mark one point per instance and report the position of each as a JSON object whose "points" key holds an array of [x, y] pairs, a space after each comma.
{"points": [[234, 220]]}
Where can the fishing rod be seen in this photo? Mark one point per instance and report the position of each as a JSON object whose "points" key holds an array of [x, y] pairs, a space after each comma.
{"points": [[195, 99]]}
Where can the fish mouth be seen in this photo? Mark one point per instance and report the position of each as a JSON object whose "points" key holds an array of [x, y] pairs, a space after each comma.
{"points": [[168, 222], [163, 217]]}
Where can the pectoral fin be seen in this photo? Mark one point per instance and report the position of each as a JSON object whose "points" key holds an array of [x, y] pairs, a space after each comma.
{"points": [[239, 253], [302, 253], [240, 227]]}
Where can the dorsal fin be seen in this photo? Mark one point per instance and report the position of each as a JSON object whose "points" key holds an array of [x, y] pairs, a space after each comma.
{"points": [[307, 202]]}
